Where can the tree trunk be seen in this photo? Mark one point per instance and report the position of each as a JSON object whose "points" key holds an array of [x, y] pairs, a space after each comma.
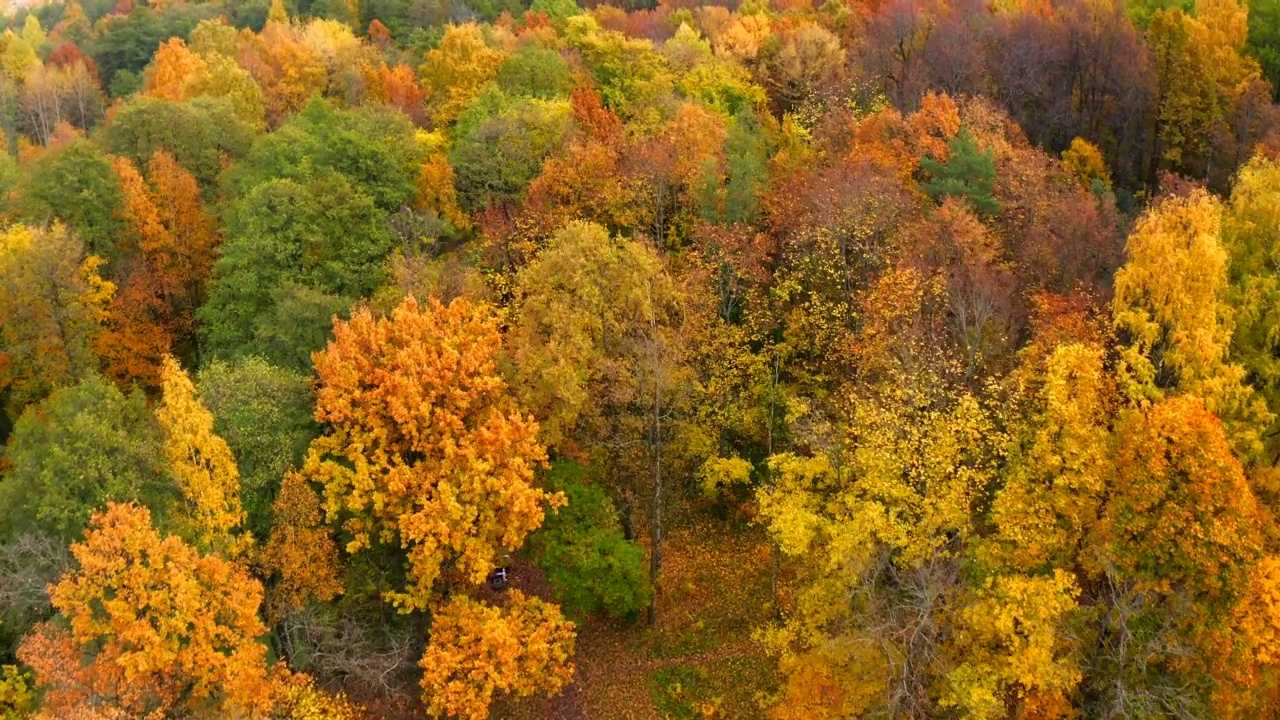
{"points": [[655, 521], [768, 478]]}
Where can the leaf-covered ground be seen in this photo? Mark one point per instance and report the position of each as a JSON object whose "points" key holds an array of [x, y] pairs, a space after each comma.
{"points": [[699, 662]]}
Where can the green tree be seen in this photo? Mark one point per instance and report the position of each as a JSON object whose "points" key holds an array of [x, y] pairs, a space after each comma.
{"points": [[590, 565], [373, 147], [312, 245], [126, 42], [495, 158], [968, 173], [1264, 38], [199, 134], [536, 71], [84, 446], [264, 414], [77, 185]]}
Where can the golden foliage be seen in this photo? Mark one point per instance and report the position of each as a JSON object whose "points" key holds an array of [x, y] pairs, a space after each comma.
{"points": [[300, 552], [425, 450], [436, 191], [173, 65], [52, 305], [16, 695], [202, 465], [296, 697], [456, 70], [476, 650], [1170, 308], [1084, 161], [149, 625], [1014, 648], [1054, 490]]}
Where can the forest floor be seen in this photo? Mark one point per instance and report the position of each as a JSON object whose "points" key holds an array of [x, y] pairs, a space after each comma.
{"points": [[700, 661]]}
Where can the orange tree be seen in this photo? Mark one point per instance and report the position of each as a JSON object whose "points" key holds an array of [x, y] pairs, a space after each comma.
{"points": [[148, 625], [425, 453]]}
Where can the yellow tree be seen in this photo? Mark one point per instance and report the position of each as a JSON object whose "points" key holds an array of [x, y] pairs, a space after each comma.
{"points": [[1056, 484], [1015, 650], [149, 626], [425, 449], [476, 650], [1251, 233], [1201, 68], [201, 463], [299, 554], [219, 76], [878, 529], [1084, 161], [426, 454], [456, 70], [879, 512], [173, 65], [600, 351], [52, 305], [1174, 323], [437, 192]]}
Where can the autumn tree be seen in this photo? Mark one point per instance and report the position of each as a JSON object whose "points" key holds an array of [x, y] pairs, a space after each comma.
{"points": [[288, 71], [1018, 651], [803, 63], [202, 466], [456, 71], [299, 554], [1249, 234], [173, 65], [398, 87], [52, 304], [880, 508], [1200, 70], [1178, 540], [147, 624], [426, 452], [55, 97], [410, 481], [599, 357], [1175, 323], [137, 330], [521, 648], [1085, 163], [1057, 481], [177, 239]]}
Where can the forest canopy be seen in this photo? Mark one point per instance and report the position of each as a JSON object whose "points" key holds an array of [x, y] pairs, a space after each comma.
{"points": [[699, 359]]}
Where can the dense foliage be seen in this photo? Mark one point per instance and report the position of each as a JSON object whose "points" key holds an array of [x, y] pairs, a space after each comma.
{"points": [[373, 359]]}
